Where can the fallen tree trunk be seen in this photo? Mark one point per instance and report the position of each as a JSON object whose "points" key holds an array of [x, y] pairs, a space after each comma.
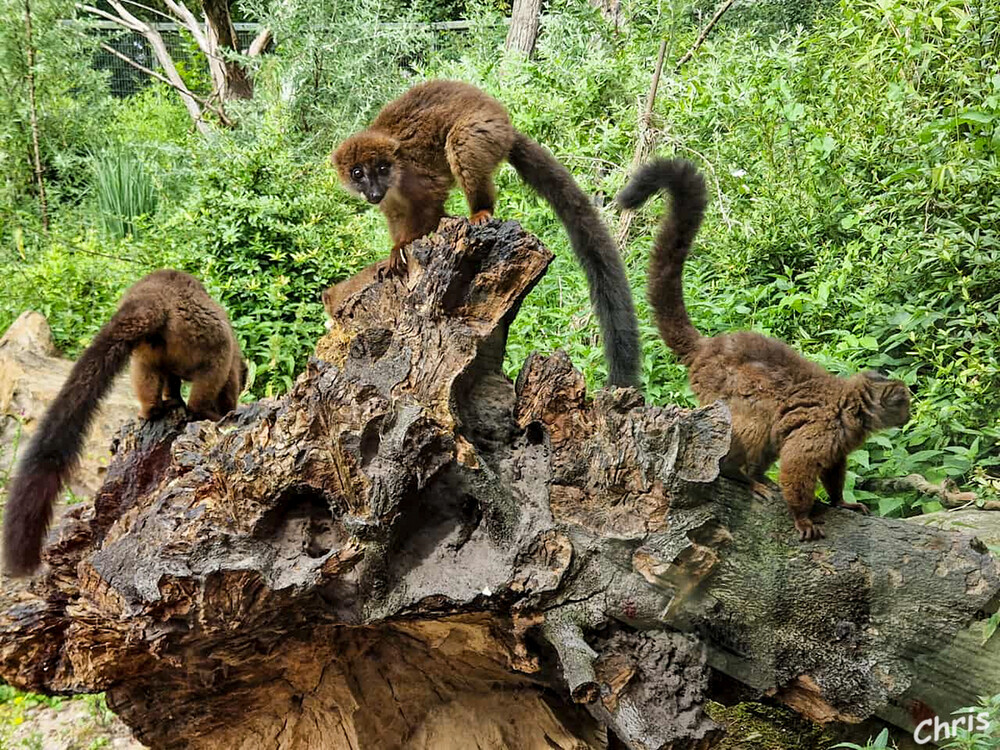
{"points": [[408, 550]]}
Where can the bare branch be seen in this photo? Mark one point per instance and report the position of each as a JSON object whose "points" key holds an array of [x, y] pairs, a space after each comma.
{"points": [[109, 17], [646, 142], [191, 23], [704, 34], [148, 9], [33, 113], [260, 42], [172, 77], [945, 492], [206, 103]]}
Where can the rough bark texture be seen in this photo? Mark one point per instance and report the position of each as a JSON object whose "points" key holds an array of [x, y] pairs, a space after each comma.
{"points": [[408, 550], [234, 83], [525, 17]]}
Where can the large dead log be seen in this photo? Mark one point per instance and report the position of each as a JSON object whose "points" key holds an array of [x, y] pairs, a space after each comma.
{"points": [[409, 550]]}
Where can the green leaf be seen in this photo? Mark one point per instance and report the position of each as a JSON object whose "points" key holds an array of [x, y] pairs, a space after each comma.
{"points": [[970, 116], [890, 507], [990, 626]]}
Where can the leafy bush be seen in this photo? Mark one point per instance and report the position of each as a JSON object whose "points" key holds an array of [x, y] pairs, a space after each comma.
{"points": [[980, 738], [156, 127]]}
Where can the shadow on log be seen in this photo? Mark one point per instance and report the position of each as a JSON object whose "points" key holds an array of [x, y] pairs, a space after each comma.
{"points": [[408, 550]]}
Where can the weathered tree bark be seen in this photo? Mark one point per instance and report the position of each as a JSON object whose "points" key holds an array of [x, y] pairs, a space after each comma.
{"points": [[232, 81], [525, 17], [409, 550]]}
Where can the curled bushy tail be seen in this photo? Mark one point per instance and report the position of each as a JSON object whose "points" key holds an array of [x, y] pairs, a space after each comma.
{"points": [[54, 449], [673, 242], [610, 292]]}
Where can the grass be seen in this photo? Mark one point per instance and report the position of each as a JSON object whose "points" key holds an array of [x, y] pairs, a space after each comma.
{"points": [[124, 191]]}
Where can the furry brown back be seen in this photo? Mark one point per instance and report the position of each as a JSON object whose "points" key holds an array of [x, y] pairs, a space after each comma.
{"points": [[172, 330]]}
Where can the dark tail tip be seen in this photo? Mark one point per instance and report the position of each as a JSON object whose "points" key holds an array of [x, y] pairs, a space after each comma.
{"points": [[22, 563], [26, 518], [678, 176]]}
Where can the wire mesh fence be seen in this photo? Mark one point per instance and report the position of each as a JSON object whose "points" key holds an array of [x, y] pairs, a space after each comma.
{"points": [[124, 79]]}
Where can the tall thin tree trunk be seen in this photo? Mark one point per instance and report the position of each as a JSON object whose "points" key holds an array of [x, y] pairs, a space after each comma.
{"points": [[236, 83], [33, 115], [524, 20]]}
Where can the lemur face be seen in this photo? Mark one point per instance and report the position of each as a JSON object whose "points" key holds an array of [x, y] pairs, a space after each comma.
{"points": [[372, 179], [896, 404], [367, 165], [893, 400]]}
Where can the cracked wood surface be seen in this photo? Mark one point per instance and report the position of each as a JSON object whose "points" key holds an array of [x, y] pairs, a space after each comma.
{"points": [[408, 550]]}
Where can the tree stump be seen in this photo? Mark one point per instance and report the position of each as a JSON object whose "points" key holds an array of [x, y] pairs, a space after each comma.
{"points": [[408, 550]]}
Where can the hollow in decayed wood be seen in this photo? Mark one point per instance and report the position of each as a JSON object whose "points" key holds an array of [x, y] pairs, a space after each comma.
{"points": [[409, 550]]}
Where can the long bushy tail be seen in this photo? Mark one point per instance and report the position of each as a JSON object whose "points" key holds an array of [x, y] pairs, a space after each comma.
{"points": [[673, 242], [54, 450], [610, 292]]}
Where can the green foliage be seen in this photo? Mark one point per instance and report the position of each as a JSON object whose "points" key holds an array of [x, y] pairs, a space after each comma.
{"points": [[70, 101], [73, 281], [19, 713], [124, 191], [879, 743], [990, 626], [155, 126], [852, 166], [14, 707], [271, 232], [340, 62], [979, 738]]}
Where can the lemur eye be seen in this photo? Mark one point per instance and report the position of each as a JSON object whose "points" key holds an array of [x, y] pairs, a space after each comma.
{"points": [[357, 173], [383, 168]]}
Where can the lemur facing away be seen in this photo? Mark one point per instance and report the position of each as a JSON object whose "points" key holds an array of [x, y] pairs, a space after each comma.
{"points": [[173, 331], [783, 406], [442, 131]]}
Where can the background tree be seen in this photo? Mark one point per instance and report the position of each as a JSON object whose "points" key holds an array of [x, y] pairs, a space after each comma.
{"points": [[50, 98], [215, 36], [524, 22]]}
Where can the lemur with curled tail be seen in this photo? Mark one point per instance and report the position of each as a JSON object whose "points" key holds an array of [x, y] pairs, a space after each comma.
{"points": [[783, 406], [441, 132], [172, 330]]}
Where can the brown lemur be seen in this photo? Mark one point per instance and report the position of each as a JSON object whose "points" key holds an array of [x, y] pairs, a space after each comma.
{"points": [[438, 132], [783, 406], [172, 330]]}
